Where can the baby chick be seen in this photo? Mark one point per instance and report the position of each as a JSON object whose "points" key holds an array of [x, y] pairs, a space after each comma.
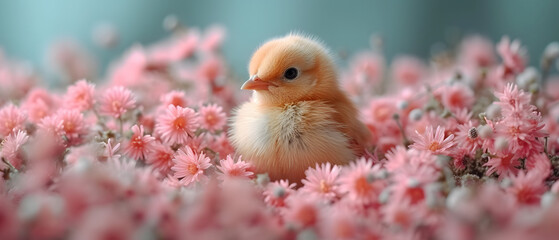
{"points": [[297, 116]]}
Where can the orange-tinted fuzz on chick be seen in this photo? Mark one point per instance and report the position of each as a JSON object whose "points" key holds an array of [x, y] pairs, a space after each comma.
{"points": [[297, 116]]}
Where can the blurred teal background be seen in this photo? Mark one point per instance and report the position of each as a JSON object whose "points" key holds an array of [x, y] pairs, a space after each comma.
{"points": [[408, 27]]}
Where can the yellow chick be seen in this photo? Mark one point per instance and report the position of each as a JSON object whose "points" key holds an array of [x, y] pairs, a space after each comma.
{"points": [[297, 116]]}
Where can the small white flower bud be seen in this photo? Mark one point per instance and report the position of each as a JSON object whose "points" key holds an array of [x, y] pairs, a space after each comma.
{"points": [[501, 143], [485, 131], [171, 22], [456, 197], [415, 114], [551, 51], [493, 112], [403, 105]]}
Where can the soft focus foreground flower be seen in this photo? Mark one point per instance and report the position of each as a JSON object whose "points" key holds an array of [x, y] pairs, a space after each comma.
{"points": [[117, 101], [188, 166], [177, 124]]}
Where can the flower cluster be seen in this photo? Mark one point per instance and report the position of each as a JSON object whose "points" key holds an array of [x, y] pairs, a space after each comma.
{"points": [[462, 148]]}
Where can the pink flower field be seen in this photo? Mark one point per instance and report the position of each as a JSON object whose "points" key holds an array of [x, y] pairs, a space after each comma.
{"points": [[465, 146]]}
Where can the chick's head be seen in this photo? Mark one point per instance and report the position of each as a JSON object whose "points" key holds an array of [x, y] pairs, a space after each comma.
{"points": [[290, 69]]}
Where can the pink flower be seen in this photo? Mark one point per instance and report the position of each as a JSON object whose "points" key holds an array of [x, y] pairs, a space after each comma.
{"points": [[403, 214], [539, 163], [106, 222], [39, 104], [322, 181], [189, 166], [11, 225], [276, 192], [11, 148], [117, 101], [504, 164], [457, 97], [477, 51], [161, 157], [521, 126], [177, 48], [140, 145], [176, 98], [512, 99], [302, 211], [408, 71], [411, 181], [80, 96], [74, 128], [433, 141], [527, 187], [71, 60], [110, 151], [220, 144], [213, 38], [12, 119], [370, 65], [468, 138], [360, 182], [210, 69], [230, 168], [212, 117], [67, 125], [176, 125], [513, 54]]}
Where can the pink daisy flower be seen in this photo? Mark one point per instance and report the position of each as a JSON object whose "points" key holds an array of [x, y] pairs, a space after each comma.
{"points": [[11, 147], [212, 117], [176, 125], [109, 154], [457, 97], [230, 168], [477, 51], [322, 181], [512, 99], [407, 70], [433, 141], [514, 55], [117, 101], [504, 164], [80, 96], [74, 127], [161, 157], [189, 166], [12, 119], [140, 145], [468, 138], [276, 192], [302, 211], [527, 187], [220, 144], [176, 98], [39, 104], [359, 181]]}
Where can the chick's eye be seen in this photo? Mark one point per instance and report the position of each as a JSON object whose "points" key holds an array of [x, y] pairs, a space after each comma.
{"points": [[290, 73]]}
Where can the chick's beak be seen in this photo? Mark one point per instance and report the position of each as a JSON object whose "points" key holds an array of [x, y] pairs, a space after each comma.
{"points": [[255, 83]]}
